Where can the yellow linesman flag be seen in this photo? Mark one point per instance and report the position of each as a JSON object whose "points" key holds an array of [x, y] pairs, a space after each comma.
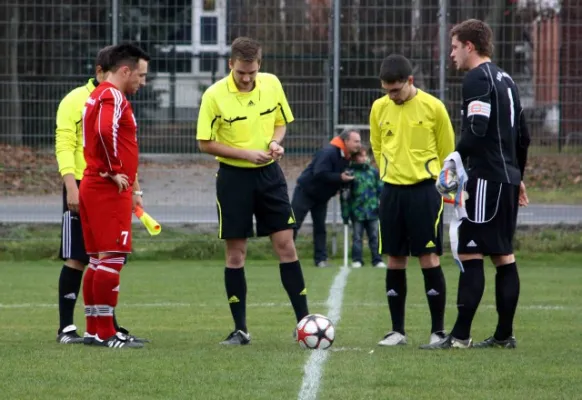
{"points": [[151, 224]]}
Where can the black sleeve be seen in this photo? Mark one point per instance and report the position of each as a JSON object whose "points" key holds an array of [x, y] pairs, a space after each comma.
{"points": [[323, 168], [522, 145], [477, 96]]}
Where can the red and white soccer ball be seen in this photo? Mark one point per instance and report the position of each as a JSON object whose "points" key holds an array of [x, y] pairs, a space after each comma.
{"points": [[315, 331]]}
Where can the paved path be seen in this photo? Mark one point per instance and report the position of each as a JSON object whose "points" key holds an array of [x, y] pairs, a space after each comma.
{"points": [[47, 210]]}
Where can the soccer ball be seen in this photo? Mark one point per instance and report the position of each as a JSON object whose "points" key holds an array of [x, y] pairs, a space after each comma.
{"points": [[315, 331]]}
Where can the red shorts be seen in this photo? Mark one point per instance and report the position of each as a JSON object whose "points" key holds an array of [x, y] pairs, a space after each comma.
{"points": [[105, 216]]}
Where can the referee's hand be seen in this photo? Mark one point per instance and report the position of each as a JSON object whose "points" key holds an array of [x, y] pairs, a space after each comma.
{"points": [[523, 199], [73, 199], [276, 150], [258, 156]]}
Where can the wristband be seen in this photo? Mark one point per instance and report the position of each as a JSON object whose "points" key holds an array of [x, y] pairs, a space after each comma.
{"points": [[138, 192]]}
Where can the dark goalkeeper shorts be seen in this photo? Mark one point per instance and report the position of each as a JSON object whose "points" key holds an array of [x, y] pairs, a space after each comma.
{"points": [[72, 243], [411, 220], [242, 193], [492, 209]]}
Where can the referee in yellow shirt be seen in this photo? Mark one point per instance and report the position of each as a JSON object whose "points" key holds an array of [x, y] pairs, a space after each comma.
{"points": [[411, 134], [71, 163], [242, 122]]}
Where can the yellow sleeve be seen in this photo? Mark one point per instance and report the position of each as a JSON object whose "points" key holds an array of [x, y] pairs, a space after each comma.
{"points": [[445, 135], [208, 118], [284, 114], [68, 116], [375, 135]]}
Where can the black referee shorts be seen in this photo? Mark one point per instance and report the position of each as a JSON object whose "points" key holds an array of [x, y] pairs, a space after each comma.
{"points": [[72, 244], [492, 209], [244, 192], [411, 221]]}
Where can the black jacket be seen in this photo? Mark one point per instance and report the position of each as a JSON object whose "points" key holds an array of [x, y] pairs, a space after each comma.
{"points": [[494, 137], [321, 180]]}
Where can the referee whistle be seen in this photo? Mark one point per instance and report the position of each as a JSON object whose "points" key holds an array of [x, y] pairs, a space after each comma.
{"points": [[150, 224]]}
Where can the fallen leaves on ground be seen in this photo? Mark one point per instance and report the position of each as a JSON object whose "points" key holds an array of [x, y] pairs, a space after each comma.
{"points": [[29, 171]]}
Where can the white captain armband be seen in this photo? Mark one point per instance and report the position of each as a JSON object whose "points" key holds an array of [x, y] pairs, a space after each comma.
{"points": [[477, 107]]}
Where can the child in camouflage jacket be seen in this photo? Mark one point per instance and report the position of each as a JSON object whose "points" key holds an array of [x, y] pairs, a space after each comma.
{"points": [[360, 202]]}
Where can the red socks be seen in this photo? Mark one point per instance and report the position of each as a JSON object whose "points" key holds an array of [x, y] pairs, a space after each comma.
{"points": [[90, 311], [105, 294]]}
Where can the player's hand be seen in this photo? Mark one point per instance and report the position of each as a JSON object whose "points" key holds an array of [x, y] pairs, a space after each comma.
{"points": [[119, 179], [523, 199], [258, 157], [137, 200], [73, 199], [347, 177], [276, 150]]}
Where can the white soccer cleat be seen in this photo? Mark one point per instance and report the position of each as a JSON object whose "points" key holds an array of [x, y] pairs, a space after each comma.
{"points": [[393, 339], [380, 265], [356, 264], [437, 337]]}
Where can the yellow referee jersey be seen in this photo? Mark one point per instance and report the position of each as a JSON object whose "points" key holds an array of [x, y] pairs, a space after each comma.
{"points": [[69, 132], [243, 120], [410, 141]]}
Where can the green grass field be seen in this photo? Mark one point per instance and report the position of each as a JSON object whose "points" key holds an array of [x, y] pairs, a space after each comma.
{"points": [[181, 306]]}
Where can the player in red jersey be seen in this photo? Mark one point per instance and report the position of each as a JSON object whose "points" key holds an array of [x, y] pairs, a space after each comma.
{"points": [[105, 196]]}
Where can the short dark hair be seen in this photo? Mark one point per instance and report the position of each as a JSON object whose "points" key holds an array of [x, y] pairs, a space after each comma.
{"points": [[126, 54], [245, 49], [476, 32], [395, 68], [102, 59]]}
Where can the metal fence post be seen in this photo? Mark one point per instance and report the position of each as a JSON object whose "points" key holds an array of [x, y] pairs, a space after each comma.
{"points": [[336, 103], [114, 21], [443, 49]]}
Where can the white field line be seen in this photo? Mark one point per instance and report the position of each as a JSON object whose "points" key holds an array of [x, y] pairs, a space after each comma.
{"points": [[314, 366], [529, 307]]}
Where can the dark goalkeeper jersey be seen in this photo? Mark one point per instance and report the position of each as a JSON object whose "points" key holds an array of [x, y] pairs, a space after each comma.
{"points": [[494, 135]]}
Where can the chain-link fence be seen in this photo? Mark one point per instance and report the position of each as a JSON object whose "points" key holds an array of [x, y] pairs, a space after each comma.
{"points": [[327, 58]]}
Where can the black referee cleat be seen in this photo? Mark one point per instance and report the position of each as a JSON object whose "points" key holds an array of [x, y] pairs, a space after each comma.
{"points": [[239, 338], [491, 342], [69, 336], [448, 342]]}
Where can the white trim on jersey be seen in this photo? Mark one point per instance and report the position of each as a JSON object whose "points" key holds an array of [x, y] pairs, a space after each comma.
{"points": [[116, 116], [117, 111]]}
